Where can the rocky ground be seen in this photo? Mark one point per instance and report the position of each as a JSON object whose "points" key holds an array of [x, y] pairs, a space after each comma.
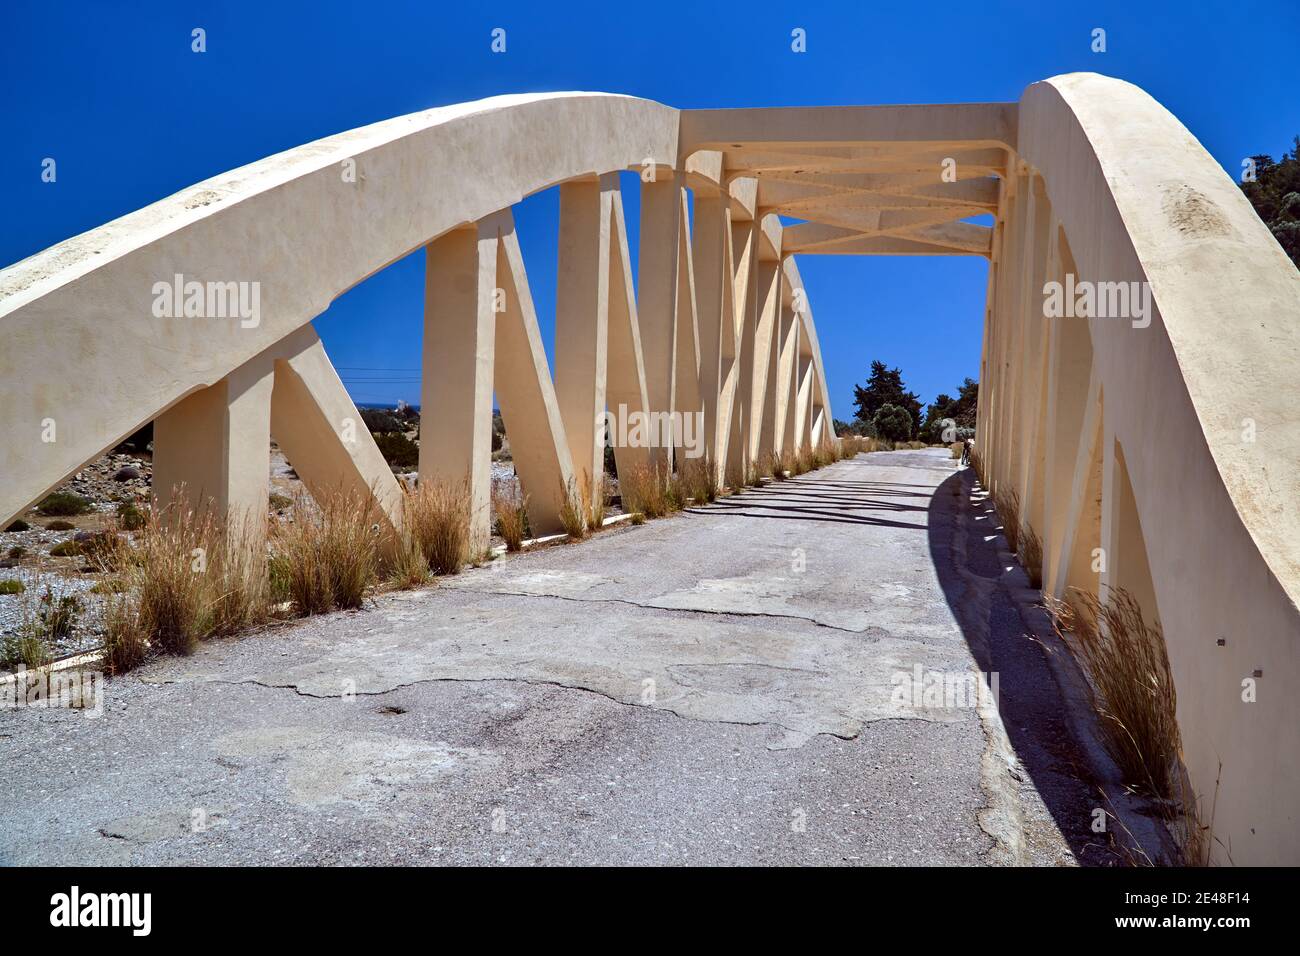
{"points": [[46, 578]]}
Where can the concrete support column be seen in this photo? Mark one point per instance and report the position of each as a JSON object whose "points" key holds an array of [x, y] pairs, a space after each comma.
{"points": [[1069, 560], [1126, 564], [745, 242], [625, 389], [687, 397], [1029, 362], [1009, 471], [709, 242], [790, 382], [1009, 316], [459, 354], [321, 433], [582, 321], [803, 401], [767, 355], [1069, 372], [992, 384], [658, 293], [990, 323], [525, 391], [212, 449]]}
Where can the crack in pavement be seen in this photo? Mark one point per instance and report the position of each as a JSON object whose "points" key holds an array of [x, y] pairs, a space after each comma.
{"points": [[660, 607], [803, 734]]}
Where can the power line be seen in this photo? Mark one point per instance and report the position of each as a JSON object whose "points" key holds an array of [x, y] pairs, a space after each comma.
{"points": [[374, 368]]}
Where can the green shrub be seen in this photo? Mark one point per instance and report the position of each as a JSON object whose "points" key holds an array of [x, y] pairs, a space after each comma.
{"points": [[66, 549], [26, 649], [60, 525], [63, 504], [16, 552], [893, 422], [381, 420], [398, 450], [103, 549], [498, 431], [129, 516], [56, 617], [18, 524], [279, 502], [12, 586]]}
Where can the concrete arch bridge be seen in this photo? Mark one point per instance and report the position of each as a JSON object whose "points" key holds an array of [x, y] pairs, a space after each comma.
{"points": [[1140, 411]]}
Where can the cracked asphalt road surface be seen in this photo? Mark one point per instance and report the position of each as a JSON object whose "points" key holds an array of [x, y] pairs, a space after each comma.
{"points": [[720, 687]]}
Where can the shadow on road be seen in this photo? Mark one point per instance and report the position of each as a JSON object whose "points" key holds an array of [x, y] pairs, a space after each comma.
{"points": [[814, 498], [1029, 699]]}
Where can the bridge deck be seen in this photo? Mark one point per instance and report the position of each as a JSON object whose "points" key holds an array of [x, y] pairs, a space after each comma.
{"points": [[518, 694]]}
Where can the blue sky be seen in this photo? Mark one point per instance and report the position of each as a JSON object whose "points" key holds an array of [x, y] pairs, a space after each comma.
{"points": [[113, 92]]}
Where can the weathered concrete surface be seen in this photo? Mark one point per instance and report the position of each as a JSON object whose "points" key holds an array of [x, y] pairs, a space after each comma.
{"points": [[713, 688]]}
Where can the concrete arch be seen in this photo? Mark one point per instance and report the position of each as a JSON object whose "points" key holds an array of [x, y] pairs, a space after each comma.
{"points": [[1198, 451], [291, 222], [304, 226]]}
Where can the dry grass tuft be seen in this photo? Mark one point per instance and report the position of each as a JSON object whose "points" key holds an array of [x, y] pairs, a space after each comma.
{"points": [[511, 508], [784, 469], [643, 490], [674, 493], [572, 512], [712, 486], [437, 519], [332, 551], [803, 462], [977, 464], [1031, 554], [1127, 666], [240, 594], [189, 577], [1126, 662], [697, 479], [125, 642], [1007, 502], [169, 573], [594, 502], [409, 567], [735, 477]]}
